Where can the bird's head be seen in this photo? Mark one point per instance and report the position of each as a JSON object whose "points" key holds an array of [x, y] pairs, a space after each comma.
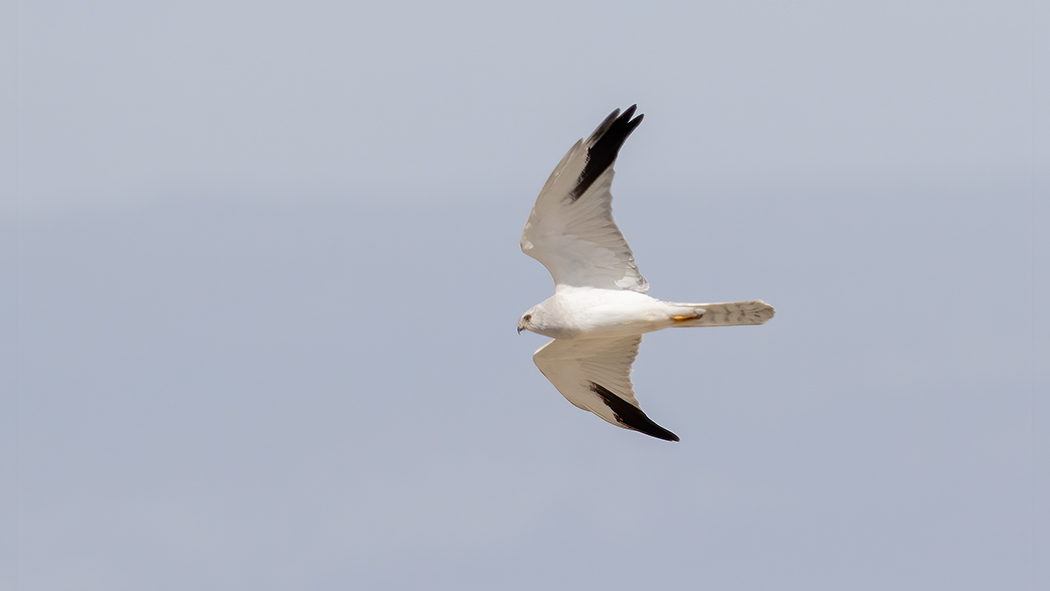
{"points": [[526, 321], [540, 320], [533, 319]]}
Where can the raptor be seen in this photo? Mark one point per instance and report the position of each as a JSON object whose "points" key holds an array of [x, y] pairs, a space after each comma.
{"points": [[600, 310]]}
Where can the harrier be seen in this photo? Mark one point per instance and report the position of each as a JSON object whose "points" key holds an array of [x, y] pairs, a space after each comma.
{"points": [[599, 309]]}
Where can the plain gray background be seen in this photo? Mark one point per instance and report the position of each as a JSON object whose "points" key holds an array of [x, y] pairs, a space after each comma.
{"points": [[261, 278]]}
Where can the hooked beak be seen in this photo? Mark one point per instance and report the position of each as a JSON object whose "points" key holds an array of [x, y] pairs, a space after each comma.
{"points": [[520, 328]]}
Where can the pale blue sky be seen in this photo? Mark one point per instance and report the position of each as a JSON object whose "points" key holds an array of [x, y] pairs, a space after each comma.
{"points": [[262, 279]]}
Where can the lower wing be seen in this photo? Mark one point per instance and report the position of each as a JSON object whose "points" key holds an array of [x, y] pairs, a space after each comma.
{"points": [[595, 375]]}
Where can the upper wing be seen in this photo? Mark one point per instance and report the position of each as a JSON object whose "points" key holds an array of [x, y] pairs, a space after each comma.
{"points": [[595, 375], [571, 229]]}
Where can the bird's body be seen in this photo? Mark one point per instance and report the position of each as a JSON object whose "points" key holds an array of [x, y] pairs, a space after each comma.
{"points": [[588, 313], [599, 309], [591, 313]]}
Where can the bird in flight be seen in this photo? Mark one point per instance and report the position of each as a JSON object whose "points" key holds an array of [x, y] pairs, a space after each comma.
{"points": [[599, 309]]}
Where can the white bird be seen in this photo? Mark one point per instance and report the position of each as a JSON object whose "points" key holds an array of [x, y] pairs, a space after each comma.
{"points": [[599, 309]]}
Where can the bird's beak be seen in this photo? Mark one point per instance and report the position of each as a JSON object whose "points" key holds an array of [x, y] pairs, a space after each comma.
{"points": [[520, 328]]}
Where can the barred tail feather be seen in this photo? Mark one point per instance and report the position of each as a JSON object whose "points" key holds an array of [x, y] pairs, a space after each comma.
{"points": [[726, 314]]}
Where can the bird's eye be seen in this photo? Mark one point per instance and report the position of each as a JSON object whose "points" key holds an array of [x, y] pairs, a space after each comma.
{"points": [[527, 317]]}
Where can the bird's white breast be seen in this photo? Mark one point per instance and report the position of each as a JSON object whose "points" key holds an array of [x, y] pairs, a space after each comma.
{"points": [[594, 312]]}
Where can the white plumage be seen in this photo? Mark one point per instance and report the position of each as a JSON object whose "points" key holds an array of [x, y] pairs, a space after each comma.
{"points": [[599, 309]]}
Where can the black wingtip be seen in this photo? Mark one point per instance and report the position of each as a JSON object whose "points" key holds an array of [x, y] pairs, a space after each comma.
{"points": [[608, 139], [630, 415]]}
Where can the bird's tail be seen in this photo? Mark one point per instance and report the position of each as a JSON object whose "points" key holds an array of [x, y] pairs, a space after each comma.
{"points": [[723, 314]]}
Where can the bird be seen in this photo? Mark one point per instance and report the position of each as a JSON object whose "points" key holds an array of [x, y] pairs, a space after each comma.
{"points": [[600, 309]]}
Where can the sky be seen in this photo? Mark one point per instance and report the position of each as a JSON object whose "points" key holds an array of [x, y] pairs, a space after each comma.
{"points": [[261, 278]]}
